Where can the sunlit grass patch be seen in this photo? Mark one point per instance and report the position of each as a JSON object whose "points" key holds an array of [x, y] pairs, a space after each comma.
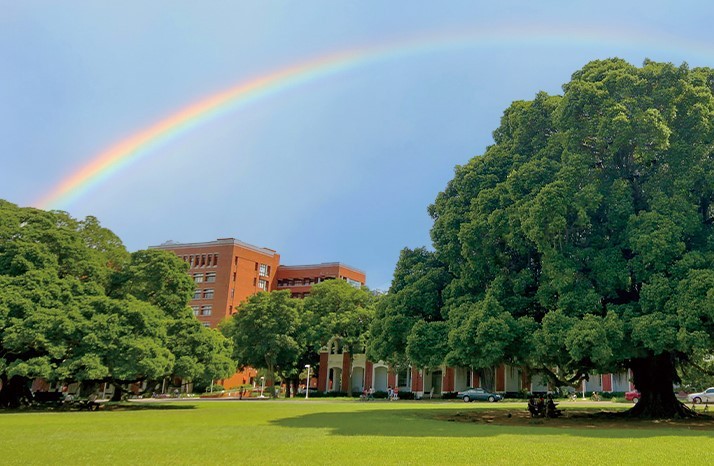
{"points": [[329, 432]]}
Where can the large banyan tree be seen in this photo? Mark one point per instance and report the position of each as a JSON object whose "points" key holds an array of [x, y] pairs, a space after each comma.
{"points": [[581, 241]]}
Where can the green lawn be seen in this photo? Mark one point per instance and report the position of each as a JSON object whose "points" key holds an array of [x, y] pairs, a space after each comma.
{"points": [[330, 432]]}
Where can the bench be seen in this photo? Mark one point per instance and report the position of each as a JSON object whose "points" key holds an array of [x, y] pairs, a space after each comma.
{"points": [[89, 405], [48, 398]]}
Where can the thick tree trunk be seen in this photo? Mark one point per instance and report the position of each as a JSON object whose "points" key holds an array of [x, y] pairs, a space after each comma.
{"points": [[654, 377], [271, 381], [15, 392], [488, 378], [118, 392]]}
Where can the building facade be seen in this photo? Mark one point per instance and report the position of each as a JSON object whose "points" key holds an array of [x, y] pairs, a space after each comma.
{"points": [[299, 279], [433, 382], [227, 271]]}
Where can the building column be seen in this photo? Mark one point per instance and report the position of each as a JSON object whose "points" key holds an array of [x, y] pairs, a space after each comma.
{"points": [[322, 375], [368, 374], [449, 382], [391, 377], [500, 383], [346, 371]]}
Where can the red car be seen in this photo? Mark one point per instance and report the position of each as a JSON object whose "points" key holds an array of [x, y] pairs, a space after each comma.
{"points": [[633, 396]]}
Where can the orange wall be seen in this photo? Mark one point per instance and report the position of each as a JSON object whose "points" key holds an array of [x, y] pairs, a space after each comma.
{"points": [[315, 273], [240, 378], [237, 274]]}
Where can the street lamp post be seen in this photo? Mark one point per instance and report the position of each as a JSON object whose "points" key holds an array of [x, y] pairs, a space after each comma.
{"points": [[307, 382], [262, 386]]}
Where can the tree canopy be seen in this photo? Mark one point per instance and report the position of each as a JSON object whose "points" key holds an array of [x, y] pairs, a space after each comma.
{"points": [[581, 240], [265, 332], [338, 312], [76, 306]]}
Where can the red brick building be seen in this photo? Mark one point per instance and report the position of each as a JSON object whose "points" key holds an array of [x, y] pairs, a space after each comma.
{"points": [[300, 278], [228, 271]]}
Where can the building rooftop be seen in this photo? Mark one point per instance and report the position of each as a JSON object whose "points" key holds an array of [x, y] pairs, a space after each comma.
{"points": [[218, 242], [321, 265]]}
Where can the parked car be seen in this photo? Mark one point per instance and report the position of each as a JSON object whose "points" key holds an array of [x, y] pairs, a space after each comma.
{"points": [[633, 396], [471, 394], [707, 396]]}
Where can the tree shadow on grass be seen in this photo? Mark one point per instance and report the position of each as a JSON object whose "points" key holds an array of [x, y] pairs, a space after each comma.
{"points": [[108, 407], [146, 407], [484, 423]]}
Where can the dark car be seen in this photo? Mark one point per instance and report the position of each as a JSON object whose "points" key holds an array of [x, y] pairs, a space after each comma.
{"points": [[480, 394]]}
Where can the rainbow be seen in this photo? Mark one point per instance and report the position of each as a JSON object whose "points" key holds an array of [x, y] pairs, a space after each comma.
{"points": [[111, 161]]}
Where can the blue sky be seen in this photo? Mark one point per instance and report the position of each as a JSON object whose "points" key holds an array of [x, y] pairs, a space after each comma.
{"points": [[337, 169]]}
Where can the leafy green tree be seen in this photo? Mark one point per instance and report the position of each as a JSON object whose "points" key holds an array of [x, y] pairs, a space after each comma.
{"points": [[428, 344], [47, 270], [75, 306], [157, 277], [698, 373], [264, 331], [123, 341], [202, 354], [339, 312], [581, 241], [416, 295]]}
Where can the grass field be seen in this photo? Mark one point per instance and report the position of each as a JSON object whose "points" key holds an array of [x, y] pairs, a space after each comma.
{"points": [[337, 432]]}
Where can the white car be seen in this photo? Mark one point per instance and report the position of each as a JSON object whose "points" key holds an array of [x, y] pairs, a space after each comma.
{"points": [[707, 396]]}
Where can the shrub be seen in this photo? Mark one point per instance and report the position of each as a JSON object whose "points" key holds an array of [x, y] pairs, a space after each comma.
{"points": [[326, 394]]}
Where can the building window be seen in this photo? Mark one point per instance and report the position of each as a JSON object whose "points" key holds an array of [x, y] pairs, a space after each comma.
{"points": [[195, 310], [354, 283], [206, 310], [263, 285], [197, 294], [264, 270], [206, 324], [233, 292], [198, 277], [234, 276], [215, 260], [211, 277], [208, 293]]}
